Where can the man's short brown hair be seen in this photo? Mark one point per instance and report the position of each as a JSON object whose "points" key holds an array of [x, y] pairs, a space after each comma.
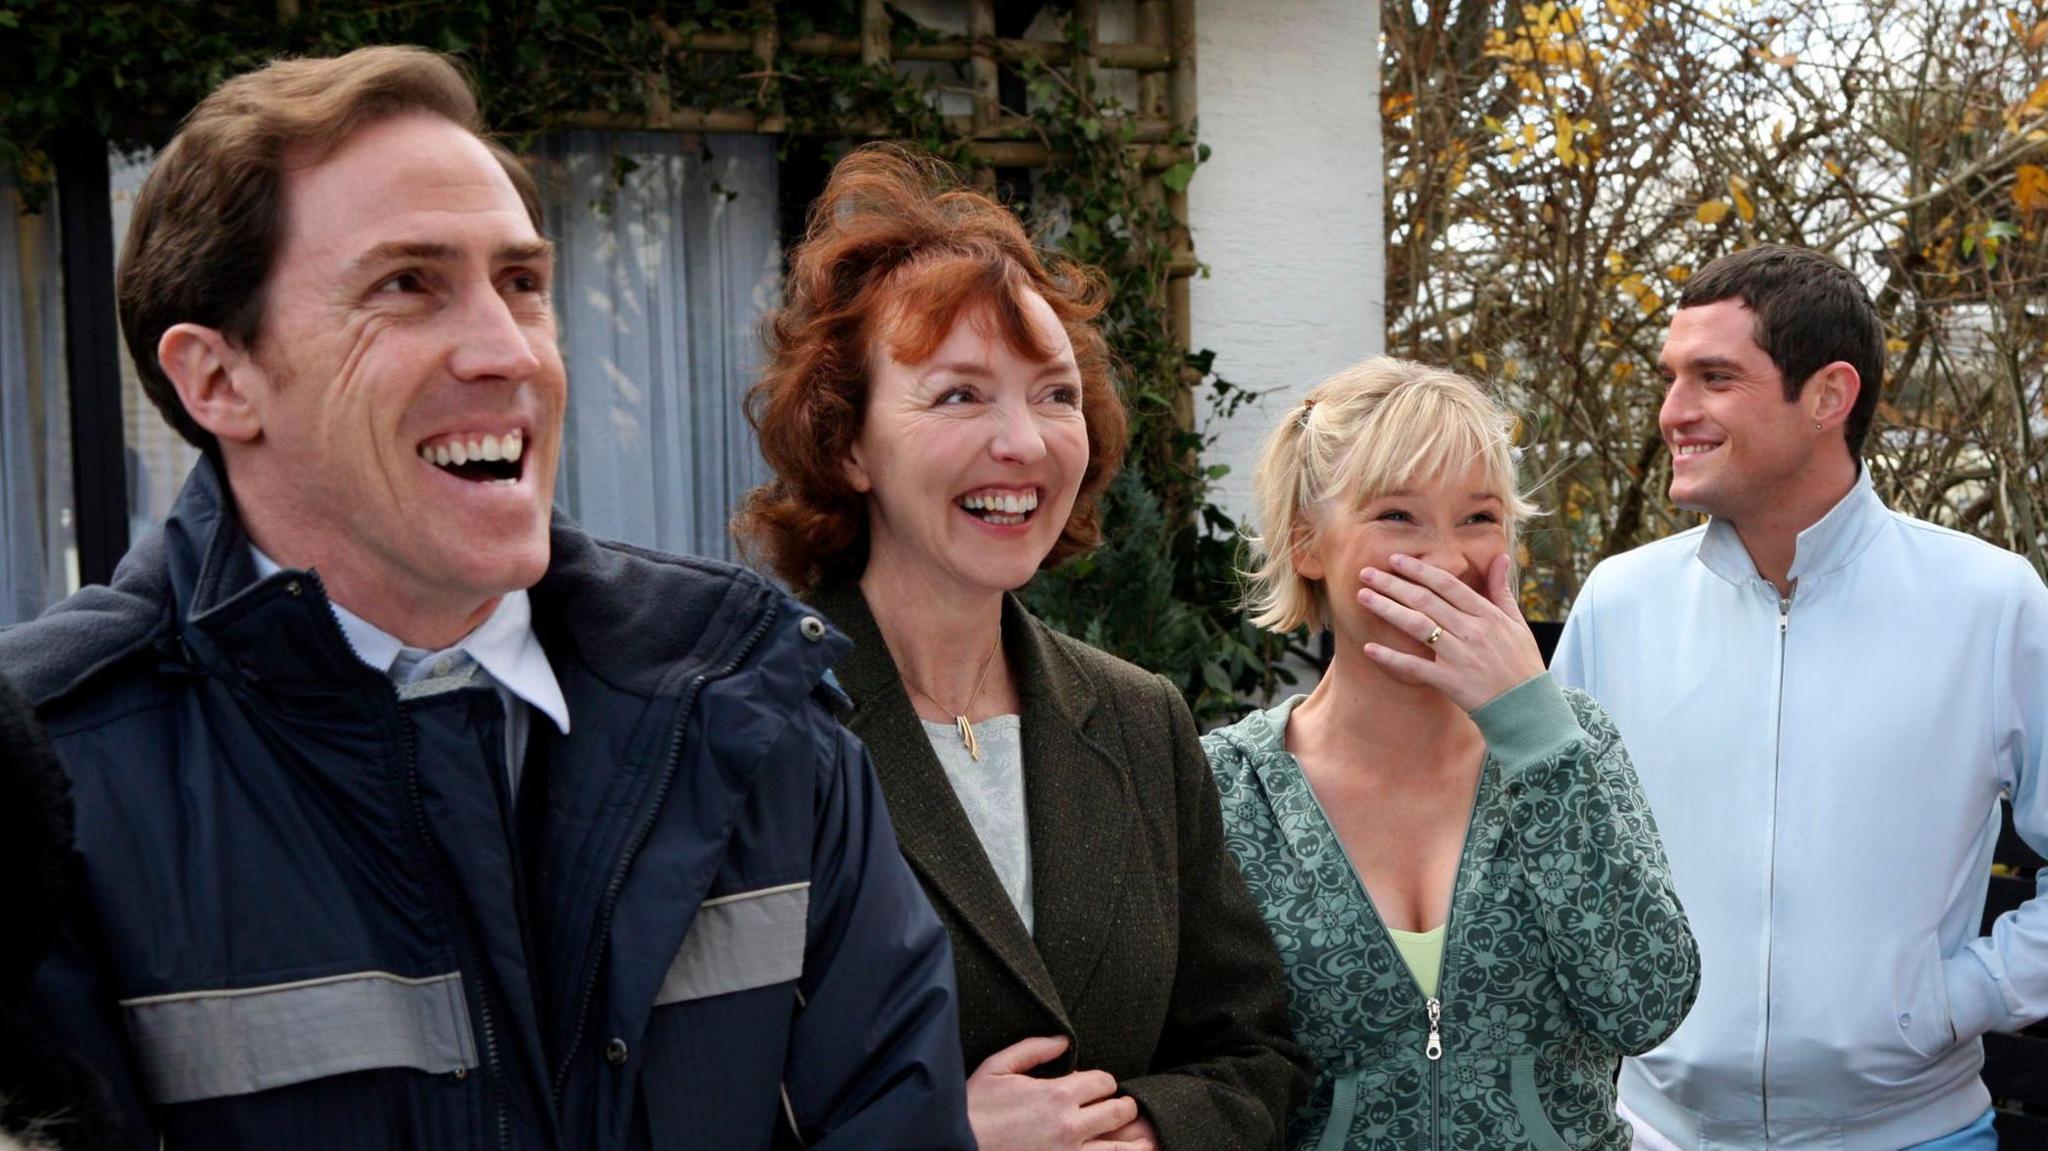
{"points": [[208, 220], [1810, 312]]}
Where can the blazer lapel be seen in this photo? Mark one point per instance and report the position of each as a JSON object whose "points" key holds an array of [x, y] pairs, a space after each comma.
{"points": [[931, 826], [1081, 804]]}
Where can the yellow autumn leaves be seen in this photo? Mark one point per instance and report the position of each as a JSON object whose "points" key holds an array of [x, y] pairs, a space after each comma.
{"points": [[1711, 212], [2030, 185], [1546, 56], [2018, 116], [1572, 142], [1636, 284], [1566, 132]]}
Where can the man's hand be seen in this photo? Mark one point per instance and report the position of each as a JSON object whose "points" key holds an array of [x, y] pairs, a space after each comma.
{"points": [[1010, 1110], [1482, 646]]}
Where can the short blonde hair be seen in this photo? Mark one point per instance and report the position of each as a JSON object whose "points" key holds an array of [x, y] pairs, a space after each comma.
{"points": [[1372, 428]]}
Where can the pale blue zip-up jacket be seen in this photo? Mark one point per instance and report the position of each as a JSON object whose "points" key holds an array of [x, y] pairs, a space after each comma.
{"points": [[1826, 772]]}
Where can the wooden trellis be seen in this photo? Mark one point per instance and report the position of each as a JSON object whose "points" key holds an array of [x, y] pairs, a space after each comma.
{"points": [[1162, 56]]}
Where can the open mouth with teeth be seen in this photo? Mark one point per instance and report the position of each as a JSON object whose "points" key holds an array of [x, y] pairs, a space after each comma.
{"points": [[1687, 451], [481, 459], [1001, 507]]}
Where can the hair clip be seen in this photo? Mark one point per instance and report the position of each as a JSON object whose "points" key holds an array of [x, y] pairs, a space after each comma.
{"points": [[1308, 405]]}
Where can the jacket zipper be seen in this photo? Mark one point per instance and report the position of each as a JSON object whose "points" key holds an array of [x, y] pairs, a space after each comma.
{"points": [[641, 830], [471, 960], [1771, 868]]}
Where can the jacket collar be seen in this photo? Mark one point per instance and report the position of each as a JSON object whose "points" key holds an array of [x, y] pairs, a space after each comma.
{"points": [[1078, 797], [277, 629], [1830, 544], [503, 646]]}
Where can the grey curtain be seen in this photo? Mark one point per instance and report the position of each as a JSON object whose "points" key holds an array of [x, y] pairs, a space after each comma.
{"points": [[158, 457], [38, 553], [668, 258]]}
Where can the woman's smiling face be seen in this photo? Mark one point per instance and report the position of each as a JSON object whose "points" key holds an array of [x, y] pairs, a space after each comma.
{"points": [[1455, 522], [971, 458]]}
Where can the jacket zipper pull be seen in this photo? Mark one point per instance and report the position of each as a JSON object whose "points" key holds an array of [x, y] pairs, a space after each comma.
{"points": [[1435, 1048], [1784, 613]]}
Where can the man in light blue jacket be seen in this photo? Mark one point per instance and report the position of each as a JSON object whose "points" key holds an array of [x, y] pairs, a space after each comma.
{"points": [[1824, 700]]}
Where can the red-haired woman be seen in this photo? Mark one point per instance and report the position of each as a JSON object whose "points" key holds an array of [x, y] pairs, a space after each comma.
{"points": [[941, 421]]}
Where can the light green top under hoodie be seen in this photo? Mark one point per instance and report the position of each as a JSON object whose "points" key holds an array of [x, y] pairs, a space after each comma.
{"points": [[1423, 952]]}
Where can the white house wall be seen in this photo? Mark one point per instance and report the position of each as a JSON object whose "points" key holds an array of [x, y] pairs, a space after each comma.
{"points": [[1286, 213]]}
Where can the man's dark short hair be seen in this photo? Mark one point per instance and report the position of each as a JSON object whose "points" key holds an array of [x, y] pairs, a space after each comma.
{"points": [[1810, 312], [210, 216]]}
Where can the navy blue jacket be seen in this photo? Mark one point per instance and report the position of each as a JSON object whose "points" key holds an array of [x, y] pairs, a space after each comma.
{"points": [[311, 916]]}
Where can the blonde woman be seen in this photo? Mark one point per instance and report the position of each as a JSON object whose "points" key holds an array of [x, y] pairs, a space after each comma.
{"points": [[1451, 851]]}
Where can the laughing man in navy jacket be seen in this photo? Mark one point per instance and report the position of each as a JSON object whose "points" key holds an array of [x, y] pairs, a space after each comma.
{"points": [[406, 816]]}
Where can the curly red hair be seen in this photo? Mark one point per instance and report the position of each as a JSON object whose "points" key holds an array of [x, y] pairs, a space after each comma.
{"points": [[897, 249]]}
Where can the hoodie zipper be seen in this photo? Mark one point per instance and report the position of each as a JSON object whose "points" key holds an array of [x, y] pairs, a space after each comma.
{"points": [[1433, 1005], [1433, 1008], [641, 830], [1771, 868], [1433, 1051]]}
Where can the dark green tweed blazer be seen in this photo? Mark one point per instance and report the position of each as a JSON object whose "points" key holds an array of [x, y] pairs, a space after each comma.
{"points": [[1149, 953]]}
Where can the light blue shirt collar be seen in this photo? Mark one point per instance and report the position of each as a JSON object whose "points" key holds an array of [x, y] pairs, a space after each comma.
{"points": [[1832, 541], [504, 646]]}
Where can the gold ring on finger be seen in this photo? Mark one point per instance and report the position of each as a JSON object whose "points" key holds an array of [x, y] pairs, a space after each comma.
{"points": [[1435, 634]]}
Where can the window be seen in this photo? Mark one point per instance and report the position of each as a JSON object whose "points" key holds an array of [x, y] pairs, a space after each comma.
{"points": [[664, 272], [38, 543]]}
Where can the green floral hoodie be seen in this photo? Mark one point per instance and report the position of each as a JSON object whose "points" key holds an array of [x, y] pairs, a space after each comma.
{"points": [[1566, 947]]}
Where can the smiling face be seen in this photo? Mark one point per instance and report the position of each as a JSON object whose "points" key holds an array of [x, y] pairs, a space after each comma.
{"points": [[1456, 522], [1738, 446], [406, 379], [970, 459]]}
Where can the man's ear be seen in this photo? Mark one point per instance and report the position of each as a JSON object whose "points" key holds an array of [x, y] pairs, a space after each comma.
{"points": [[1831, 394], [208, 373]]}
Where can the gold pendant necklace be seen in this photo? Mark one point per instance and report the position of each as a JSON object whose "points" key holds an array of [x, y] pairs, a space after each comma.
{"points": [[960, 720]]}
